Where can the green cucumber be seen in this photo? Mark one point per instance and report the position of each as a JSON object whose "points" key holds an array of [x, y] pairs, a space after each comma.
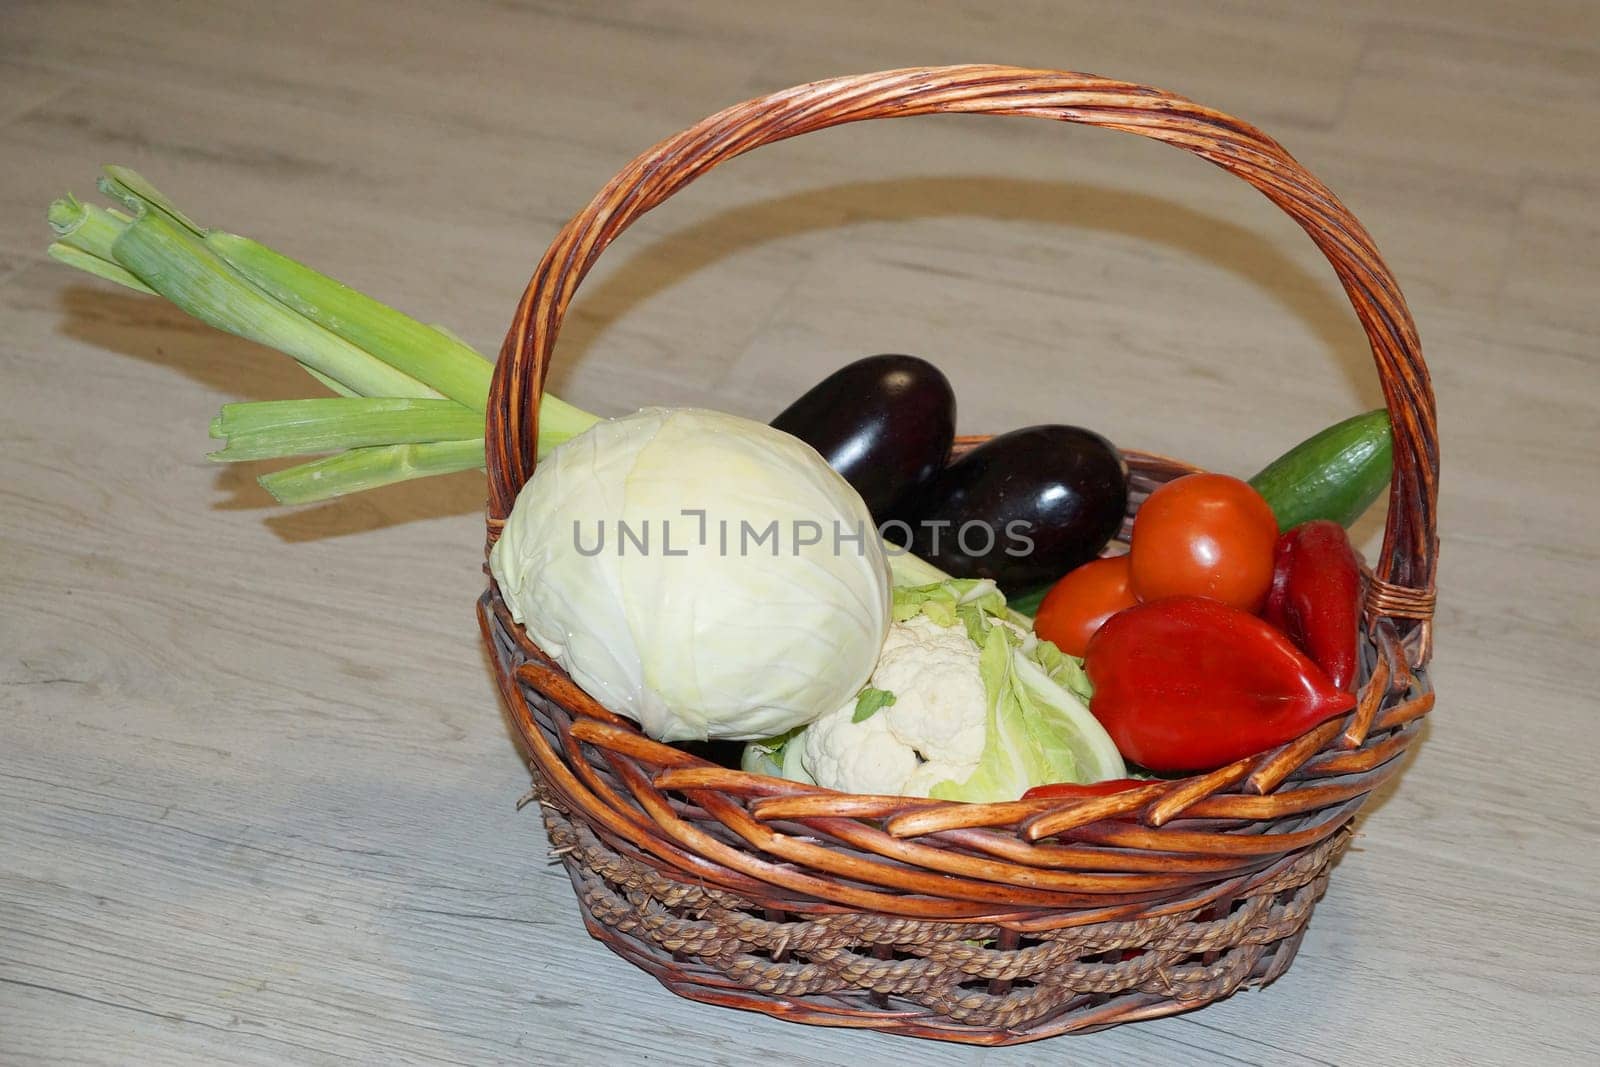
{"points": [[1336, 474]]}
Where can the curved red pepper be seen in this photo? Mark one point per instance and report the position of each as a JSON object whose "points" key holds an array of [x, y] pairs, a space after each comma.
{"points": [[1068, 790], [1189, 684], [1316, 596]]}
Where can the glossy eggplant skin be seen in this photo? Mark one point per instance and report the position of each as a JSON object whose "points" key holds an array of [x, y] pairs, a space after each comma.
{"points": [[1062, 488], [886, 423]]}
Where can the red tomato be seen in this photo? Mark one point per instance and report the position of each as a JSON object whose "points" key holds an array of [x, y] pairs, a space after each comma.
{"points": [[1204, 535], [1080, 603]]}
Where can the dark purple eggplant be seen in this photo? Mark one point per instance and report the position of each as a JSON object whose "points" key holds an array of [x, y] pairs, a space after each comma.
{"points": [[1023, 508], [885, 423]]}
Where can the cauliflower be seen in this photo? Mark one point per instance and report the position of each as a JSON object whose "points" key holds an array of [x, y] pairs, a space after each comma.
{"points": [[933, 732], [962, 704], [856, 757], [932, 671]]}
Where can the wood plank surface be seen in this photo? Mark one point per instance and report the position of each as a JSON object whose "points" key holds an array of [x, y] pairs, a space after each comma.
{"points": [[256, 797]]}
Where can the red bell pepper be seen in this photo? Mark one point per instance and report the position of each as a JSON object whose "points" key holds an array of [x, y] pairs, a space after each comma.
{"points": [[1068, 790], [1316, 596], [1189, 684]]}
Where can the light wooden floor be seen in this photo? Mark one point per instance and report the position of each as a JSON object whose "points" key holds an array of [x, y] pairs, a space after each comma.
{"points": [[255, 794]]}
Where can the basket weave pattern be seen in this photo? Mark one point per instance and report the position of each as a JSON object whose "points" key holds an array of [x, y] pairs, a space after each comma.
{"points": [[983, 923]]}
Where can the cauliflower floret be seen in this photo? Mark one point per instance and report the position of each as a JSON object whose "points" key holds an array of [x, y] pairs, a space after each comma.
{"points": [[933, 732], [856, 757], [928, 775], [936, 729], [940, 705]]}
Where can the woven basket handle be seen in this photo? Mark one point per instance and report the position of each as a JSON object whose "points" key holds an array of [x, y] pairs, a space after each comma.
{"points": [[1405, 574]]}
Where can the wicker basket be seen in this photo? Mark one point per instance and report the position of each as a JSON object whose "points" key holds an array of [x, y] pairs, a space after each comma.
{"points": [[982, 923]]}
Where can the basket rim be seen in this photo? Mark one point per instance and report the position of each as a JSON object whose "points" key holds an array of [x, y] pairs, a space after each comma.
{"points": [[1074, 857]]}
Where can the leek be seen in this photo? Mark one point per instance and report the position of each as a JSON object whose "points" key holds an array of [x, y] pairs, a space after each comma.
{"points": [[442, 359], [267, 429], [108, 269], [411, 398], [447, 365], [360, 469], [87, 233], [174, 262]]}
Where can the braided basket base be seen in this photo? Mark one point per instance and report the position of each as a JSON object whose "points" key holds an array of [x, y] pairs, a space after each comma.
{"points": [[952, 981]]}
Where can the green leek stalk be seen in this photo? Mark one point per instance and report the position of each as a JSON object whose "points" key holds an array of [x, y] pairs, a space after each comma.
{"points": [[446, 362], [168, 253], [87, 233], [369, 468], [264, 429], [411, 396], [450, 367]]}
